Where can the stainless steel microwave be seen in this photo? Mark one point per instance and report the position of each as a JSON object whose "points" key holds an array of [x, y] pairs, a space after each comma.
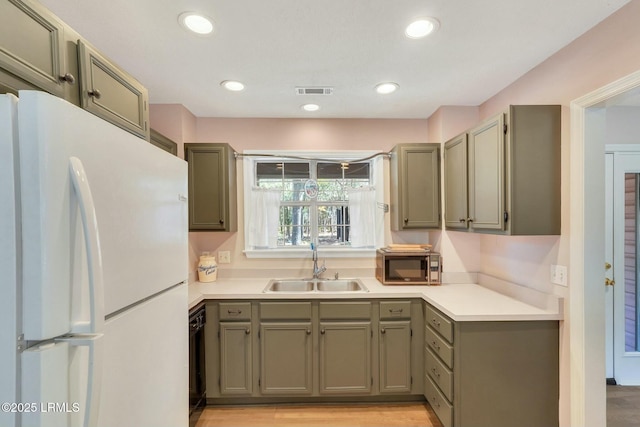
{"points": [[394, 267]]}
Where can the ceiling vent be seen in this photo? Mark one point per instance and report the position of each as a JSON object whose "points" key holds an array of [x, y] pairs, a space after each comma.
{"points": [[314, 90]]}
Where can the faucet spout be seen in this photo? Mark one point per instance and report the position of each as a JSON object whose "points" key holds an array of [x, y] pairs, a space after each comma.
{"points": [[317, 271]]}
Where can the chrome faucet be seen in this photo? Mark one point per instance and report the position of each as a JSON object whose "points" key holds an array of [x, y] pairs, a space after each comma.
{"points": [[317, 271]]}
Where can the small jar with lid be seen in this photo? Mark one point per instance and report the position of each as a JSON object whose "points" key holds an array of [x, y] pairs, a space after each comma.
{"points": [[207, 268]]}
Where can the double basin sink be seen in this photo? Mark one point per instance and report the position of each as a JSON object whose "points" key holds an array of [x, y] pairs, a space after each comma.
{"points": [[315, 285]]}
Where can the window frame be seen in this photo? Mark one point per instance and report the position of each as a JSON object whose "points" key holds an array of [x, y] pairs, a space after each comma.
{"points": [[377, 181]]}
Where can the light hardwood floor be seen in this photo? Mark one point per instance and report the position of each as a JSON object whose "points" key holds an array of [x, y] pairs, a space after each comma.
{"points": [[415, 414], [623, 406]]}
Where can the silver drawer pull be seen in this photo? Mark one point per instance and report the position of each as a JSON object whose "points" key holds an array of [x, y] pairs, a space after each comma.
{"points": [[435, 372], [435, 345], [435, 322], [234, 312], [395, 310]]}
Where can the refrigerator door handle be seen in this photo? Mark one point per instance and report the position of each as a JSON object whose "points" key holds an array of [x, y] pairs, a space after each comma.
{"points": [[82, 189], [94, 374]]}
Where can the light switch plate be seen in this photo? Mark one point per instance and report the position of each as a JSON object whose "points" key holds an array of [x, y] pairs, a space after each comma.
{"points": [[559, 274], [224, 257]]}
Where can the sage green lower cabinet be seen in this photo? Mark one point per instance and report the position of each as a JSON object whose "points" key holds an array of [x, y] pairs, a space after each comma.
{"points": [[286, 348], [345, 357], [491, 373], [235, 358], [395, 356], [260, 351], [286, 358]]}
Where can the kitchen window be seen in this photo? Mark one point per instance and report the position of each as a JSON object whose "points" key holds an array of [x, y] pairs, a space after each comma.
{"points": [[294, 199]]}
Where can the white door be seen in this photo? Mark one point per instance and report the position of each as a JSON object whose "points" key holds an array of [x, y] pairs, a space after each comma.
{"points": [[624, 272], [608, 261]]}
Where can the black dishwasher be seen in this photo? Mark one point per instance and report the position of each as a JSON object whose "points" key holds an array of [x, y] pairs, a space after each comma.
{"points": [[197, 384]]}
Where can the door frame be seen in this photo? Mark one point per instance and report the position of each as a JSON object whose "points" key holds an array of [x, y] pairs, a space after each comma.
{"points": [[586, 248]]}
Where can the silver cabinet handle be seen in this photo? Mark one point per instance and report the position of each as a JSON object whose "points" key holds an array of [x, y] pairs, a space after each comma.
{"points": [[322, 331], [383, 331], [308, 331], [247, 331], [435, 345], [68, 78], [95, 93]]}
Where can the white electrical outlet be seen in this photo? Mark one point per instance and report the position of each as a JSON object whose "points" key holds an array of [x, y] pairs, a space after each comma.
{"points": [[559, 274], [224, 257]]}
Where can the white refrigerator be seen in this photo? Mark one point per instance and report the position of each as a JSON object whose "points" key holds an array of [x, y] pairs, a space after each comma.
{"points": [[93, 272]]}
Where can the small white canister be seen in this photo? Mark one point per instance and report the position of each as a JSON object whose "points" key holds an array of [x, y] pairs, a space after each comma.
{"points": [[207, 268]]}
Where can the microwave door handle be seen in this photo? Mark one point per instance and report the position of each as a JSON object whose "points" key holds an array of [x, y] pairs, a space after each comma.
{"points": [[92, 245]]}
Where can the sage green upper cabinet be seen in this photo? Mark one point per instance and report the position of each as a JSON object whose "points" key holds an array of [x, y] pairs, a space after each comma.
{"points": [[513, 174], [212, 187], [40, 52], [162, 142], [486, 175], [32, 49], [455, 182], [109, 92], [415, 186]]}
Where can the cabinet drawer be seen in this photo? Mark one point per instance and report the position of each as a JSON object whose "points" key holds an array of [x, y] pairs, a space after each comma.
{"points": [[395, 310], [345, 310], [285, 310], [440, 374], [235, 311], [440, 323], [442, 408], [443, 349]]}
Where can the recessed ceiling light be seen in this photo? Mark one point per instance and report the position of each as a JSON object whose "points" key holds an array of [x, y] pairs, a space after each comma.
{"points": [[421, 28], [232, 85], [196, 22], [385, 88], [310, 107]]}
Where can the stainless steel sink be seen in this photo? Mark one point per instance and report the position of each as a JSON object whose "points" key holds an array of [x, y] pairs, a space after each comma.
{"points": [[315, 285], [342, 285], [289, 285]]}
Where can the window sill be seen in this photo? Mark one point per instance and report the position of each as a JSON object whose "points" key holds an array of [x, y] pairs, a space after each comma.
{"points": [[306, 253]]}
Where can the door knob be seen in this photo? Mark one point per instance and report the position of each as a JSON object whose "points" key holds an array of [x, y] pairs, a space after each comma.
{"points": [[609, 282]]}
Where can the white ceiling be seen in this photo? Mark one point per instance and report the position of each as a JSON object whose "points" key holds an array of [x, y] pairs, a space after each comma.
{"points": [[351, 45]]}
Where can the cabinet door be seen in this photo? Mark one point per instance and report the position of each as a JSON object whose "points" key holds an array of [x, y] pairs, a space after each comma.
{"points": [[286, 360], [395, 357], [31, 48], [235, 358], [345, 357], [419, 186], [455, 183], [164, 143], [211, 187], [112, 94], [486, 175]]}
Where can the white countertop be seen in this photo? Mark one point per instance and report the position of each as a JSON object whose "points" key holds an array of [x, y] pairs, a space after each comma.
{"points": [[461, 302]]}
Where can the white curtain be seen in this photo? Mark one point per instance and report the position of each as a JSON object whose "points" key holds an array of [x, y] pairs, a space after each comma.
{"points": [[363, 215], [264, 213]]}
